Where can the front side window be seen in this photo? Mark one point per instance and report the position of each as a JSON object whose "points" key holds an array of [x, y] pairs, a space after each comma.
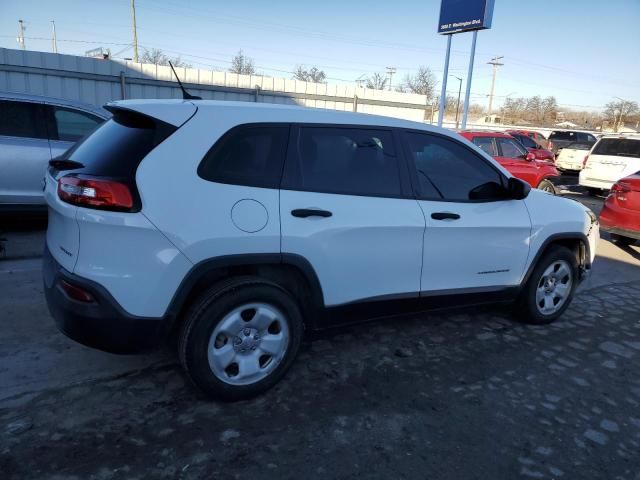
{"points": [[510, 148], [22, 119], [72, 125], [350, 161], [447, 170], [487, 144], [586, 138], [251, 155]]}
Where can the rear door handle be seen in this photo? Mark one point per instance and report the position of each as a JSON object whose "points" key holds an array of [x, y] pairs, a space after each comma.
{"points": [[310, 212], [445, 216]]}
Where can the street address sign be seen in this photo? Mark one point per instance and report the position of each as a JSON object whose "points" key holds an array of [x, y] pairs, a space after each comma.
{"points": [[463, 15]]}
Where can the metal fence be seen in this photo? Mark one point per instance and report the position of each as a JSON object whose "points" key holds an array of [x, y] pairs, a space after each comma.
{"points": [[96, 81]]}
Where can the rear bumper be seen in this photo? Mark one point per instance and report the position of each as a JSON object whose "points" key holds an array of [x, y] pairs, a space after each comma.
{"points": [[101, 324], [586, 181]]}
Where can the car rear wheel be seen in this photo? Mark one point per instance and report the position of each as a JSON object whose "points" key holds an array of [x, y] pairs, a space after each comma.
{"points": [[546, 186], [550, 288], [594, 192], [240, 338], [621, 241]]}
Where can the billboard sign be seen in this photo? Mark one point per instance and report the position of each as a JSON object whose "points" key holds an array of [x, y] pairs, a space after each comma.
{"points": [[463, 15]]}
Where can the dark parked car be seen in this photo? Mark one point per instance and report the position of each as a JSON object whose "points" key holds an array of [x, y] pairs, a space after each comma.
{"points": [[561, 139]]}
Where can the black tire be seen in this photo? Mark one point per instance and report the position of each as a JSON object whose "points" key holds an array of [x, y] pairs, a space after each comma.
{"points": [[526, 309], [210, 309], [621, 241], [594, 192], [547, 186]]}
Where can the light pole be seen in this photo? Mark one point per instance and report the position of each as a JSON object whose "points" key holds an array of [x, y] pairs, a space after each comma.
{"points": [[459, 92]]}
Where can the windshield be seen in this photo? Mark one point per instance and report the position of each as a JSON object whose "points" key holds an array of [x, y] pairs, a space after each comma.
{"points": [[622, 147]]}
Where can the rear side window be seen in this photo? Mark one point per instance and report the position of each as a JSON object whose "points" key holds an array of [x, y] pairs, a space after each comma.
{"points": [[487, 144], [71, 125], [586, 138], [350, 161], [526, 141], [118, 146], [510, 148], [446, 169], [623, 147], [22, 119], [251, 155], [563, 136]]}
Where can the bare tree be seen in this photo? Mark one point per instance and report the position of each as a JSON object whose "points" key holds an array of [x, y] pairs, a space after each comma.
{"points": [[617, 112], [549, 109], [313, 74], [242, 64], [377, 81], [158, 57], [423, 82]]}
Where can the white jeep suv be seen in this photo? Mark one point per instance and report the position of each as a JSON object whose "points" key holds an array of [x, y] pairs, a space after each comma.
{"points": [[234, 227]]}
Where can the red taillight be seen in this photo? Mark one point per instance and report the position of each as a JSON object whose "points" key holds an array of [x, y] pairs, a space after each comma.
{"points": [[76, 293], [94, 192], [620, 190], [584, 161]]}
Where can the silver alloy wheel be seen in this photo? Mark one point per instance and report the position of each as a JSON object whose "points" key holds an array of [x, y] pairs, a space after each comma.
{"points": [[554, 287], [549, 188], [248, 344]]}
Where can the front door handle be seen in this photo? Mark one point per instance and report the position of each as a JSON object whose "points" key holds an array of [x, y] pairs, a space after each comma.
{"points": [[310, 212], [445, 216]]}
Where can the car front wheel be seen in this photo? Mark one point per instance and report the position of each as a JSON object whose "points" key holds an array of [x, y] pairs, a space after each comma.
{"points": [[240, 338], [550, 288], [547, 186]]}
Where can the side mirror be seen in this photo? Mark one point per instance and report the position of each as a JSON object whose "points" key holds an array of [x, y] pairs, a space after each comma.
{"points": [[530, 157], [518, 189]]}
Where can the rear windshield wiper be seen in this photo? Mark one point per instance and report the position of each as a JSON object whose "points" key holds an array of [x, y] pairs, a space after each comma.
{"points": [[62, 164]]}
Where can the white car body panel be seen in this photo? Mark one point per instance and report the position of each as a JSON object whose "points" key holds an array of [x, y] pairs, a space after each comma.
{"points": [[63, 234], [127, 255], [569, 217], [486, 247], [571, 158], [602, 171], [370, 247]]}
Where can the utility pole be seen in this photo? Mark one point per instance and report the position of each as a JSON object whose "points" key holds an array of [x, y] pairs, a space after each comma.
{"points": [[459, 92], [20, 38], [54, 40], [390, 72], [135, 31], [495, 62]]}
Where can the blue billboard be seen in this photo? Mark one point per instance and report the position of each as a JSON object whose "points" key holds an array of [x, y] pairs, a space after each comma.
{"points": [[462, 15]]}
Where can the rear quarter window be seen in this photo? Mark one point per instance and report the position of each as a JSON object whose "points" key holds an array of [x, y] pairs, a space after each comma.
{"points": [[118, 146], [250, 155]]}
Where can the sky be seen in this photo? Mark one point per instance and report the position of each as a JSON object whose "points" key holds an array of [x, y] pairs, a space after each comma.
{"points": [[583, 52]]}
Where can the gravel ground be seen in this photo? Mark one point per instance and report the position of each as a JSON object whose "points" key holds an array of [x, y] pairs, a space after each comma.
{"points": [[463, 394]]}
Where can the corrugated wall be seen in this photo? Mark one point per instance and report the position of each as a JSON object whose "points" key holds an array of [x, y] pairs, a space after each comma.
{"points": [[97, 82]]}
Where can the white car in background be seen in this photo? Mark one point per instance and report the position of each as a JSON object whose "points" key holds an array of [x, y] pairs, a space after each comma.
{"points": [[573, 156], [613, 157]]}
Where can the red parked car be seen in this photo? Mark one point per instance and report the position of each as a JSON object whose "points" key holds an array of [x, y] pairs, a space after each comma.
{"points": [[515, 158], [534, 147], [620, 215], [537, 137]]}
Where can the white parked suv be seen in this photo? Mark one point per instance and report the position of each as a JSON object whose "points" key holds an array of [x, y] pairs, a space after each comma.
{"points": [[236, 227], [613, 157]]}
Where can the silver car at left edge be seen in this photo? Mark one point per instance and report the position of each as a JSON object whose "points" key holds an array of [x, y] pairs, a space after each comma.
{"points": [[33, 131]]}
